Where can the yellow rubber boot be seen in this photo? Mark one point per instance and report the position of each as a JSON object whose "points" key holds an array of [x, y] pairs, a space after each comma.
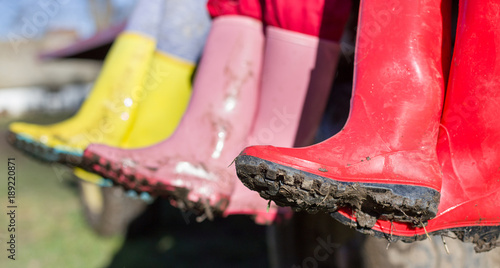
{"points": [[164, 101], [160, 107], [105, 116]]}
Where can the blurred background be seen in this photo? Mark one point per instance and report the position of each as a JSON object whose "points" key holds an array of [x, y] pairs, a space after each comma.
{"points": [[50, 53]]}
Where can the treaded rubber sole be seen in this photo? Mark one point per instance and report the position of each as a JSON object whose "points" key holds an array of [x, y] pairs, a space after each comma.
{"points": [[485, 238], [137, 182], [42, 152], [47, 154], [306, 191]]}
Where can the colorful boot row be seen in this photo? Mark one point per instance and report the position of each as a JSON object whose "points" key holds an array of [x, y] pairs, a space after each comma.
{"points": [[239, 99], [226, 114]]}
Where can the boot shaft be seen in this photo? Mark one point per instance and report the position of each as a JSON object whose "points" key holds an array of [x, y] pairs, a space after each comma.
{"points": [[295, 66], [399, 76], [471, 118]]}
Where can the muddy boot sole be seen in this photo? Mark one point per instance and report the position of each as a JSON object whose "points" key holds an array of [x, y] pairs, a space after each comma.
{"points": [[178, 196], [312, 193], [42, 152], [485, 238]]}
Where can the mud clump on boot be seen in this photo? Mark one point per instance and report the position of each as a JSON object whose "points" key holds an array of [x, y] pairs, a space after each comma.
{"points": [[312, 193], [365, 220]]}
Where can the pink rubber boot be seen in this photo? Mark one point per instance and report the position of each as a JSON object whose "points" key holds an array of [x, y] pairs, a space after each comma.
{"points": [[191, 166], [286, 81], [299, 65]]}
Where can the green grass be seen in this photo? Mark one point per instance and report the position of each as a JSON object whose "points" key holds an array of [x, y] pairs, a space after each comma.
{"points": [[52, 230]]}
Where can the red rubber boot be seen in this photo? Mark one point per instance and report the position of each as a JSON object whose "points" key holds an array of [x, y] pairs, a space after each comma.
{"points": [[383, 163], [469, 144]]}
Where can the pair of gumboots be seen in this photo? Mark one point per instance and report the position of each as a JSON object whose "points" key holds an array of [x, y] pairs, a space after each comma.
{"points": [[419, 154]]}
